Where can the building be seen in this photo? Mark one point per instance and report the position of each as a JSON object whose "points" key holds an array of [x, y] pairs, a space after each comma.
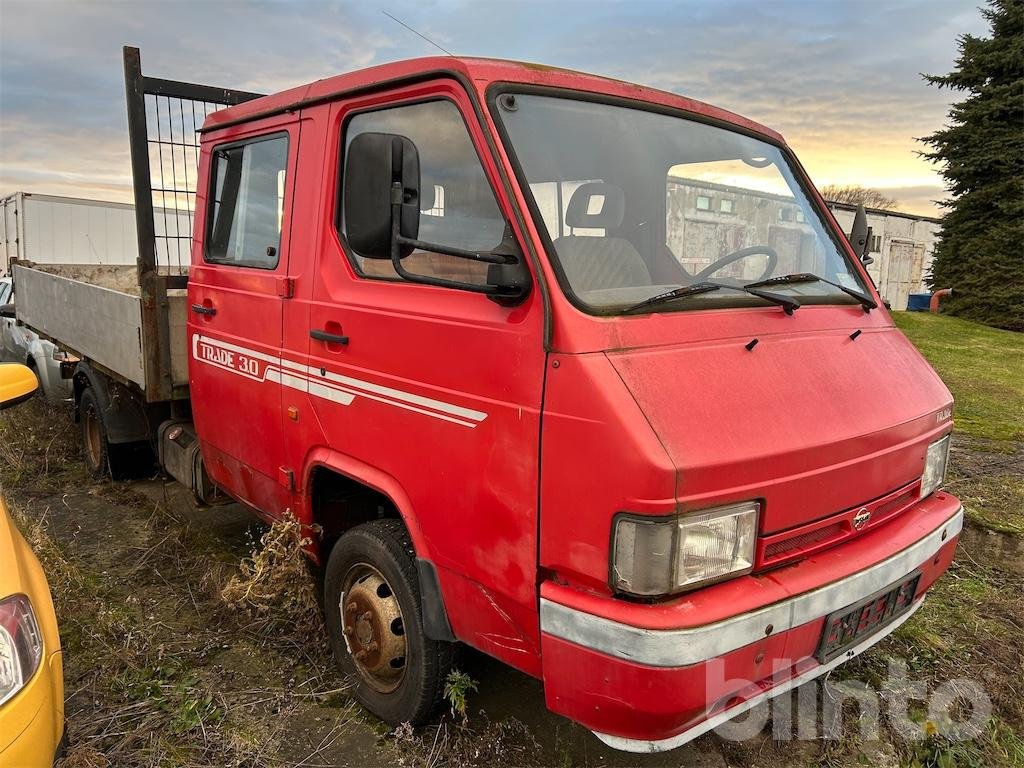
{"points": [[706, 220], [902, 246]]}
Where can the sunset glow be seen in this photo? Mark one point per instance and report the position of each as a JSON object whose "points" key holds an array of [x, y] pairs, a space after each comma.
{"points": [[841, 81]]}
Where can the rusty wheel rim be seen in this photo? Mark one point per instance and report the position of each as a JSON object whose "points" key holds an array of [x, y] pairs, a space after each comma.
{"points": [[373, 627], [93, 438]]}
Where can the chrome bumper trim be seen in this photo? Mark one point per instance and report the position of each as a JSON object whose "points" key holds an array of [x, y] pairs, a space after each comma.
{"points": [[639, 745], [683, 647]]}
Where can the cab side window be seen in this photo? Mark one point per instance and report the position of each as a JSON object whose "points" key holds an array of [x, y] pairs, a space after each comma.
{"points": [[247, 203], [5, 292], [457, 205]]}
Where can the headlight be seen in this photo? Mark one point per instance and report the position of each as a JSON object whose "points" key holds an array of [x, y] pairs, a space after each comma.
{"points": [[935, 461], [660, 556], [21, 645]]}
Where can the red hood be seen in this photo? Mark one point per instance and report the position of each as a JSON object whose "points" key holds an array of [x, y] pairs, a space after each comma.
{"points": [[812, 423]]}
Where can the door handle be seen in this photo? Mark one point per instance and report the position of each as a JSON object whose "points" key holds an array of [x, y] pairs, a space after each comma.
{"points": [[200, 309], [329, 338]]}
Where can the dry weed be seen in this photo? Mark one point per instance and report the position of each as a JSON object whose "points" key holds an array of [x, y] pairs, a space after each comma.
{"points": [[83, 756], [37, 439], [274, 586]]}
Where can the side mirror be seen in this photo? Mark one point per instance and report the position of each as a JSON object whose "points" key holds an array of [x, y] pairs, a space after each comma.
{"points": [[7, 310], [860, 236], [17, 384], [381, 204], [381, 170]]}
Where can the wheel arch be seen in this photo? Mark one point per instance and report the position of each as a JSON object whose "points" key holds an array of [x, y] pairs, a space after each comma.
{"points": [[324, 460], [337, 471], [124, 413]]}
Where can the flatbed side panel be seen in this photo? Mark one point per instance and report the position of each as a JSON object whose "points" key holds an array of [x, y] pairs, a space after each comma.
{"points": [[97, 323]]}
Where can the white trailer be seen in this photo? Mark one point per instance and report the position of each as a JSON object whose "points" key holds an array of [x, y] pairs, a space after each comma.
{"points": [[65, 230], [49, 229]]}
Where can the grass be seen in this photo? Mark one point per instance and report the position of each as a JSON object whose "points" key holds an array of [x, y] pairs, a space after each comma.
{"points": [[188, 644], [970, 625], [983, 368], [179, 650], [994, 498], [998, 746]]}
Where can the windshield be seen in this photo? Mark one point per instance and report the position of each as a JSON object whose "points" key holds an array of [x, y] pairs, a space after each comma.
{"points": [[637, 203]]}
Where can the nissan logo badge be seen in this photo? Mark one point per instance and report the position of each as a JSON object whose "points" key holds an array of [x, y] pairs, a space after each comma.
{"points": [[861, 518]]}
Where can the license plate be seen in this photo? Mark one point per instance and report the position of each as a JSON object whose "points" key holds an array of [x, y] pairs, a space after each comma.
{"points": [[846, 627]]}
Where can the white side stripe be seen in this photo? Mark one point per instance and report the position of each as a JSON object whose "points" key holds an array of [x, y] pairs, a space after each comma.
{"points": [[321, 383], [407, 397], [328, 393]]}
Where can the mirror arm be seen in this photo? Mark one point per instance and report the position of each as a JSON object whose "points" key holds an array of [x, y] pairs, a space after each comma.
{"points": [[504, 255], [448, 250], [397, 240]]}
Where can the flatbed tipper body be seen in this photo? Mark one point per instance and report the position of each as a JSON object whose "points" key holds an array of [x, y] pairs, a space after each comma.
{"points": [[96, 312], [578, 373]]}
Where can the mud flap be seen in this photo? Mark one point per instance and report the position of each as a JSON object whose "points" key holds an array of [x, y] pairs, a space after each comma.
{"points": [[435, 617]]}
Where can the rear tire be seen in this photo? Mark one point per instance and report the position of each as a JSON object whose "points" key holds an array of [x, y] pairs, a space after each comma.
{"points": [[95, 448], [374, 619], [119, 462]]}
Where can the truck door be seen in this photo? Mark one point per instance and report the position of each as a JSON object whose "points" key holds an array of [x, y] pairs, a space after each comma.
{"points": [[235, 322], [435, 388]]}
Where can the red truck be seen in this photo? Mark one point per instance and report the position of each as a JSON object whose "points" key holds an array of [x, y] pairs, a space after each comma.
{"points": [[576, 372]]}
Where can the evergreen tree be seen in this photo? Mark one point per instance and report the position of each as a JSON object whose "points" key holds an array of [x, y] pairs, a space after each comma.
{"points": [[980, 251]]}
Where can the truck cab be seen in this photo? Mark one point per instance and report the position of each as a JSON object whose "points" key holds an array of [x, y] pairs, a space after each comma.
{"points": [[596, 356], [578, 373]]}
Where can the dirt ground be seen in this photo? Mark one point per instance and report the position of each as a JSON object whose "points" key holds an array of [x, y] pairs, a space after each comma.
{"points": [[181, 650]]}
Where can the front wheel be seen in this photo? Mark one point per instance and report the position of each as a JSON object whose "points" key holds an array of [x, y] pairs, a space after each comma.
{"points": [[374, 619]]}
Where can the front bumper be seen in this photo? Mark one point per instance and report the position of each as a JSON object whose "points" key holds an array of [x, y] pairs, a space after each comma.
{"points": [[651, 678], [34, 719], [31, 721]]}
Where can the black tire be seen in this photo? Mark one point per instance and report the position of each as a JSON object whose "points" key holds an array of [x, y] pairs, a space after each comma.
{"points": [[119, 462], [127, 461], [384, 546], [31, 365], [95, 448]]}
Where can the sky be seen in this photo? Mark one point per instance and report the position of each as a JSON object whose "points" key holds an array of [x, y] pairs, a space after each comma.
{"points": [[840, 79]]}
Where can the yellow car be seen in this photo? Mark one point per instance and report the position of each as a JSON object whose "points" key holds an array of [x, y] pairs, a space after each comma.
{"points": [[31, 673]]}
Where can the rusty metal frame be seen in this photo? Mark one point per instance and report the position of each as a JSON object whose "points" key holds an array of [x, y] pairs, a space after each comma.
{"points": [[154, 285]]}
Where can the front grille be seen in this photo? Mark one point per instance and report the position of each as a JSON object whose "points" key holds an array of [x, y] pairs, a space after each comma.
{"points": [[902, 500], [779, 548], [801, 541]]}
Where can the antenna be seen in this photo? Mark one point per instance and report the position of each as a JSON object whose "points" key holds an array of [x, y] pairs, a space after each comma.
{"points": [[418, 34]]}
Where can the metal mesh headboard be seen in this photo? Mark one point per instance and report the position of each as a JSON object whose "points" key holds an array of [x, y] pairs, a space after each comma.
{"points": [[163, 119]]}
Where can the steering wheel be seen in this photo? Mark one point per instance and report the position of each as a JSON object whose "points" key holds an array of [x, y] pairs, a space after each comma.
{"points": [[742, 253]]}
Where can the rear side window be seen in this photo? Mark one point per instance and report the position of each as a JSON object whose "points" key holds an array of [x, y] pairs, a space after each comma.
{"points": [[458, 206], [247, 203]]}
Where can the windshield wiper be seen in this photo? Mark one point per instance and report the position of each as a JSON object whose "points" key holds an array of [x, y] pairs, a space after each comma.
{"points": [[676, 293], [806, 277], [788, 304]]}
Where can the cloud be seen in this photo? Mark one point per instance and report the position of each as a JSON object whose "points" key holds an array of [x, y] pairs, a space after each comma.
{"points": [[839, 80]]}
